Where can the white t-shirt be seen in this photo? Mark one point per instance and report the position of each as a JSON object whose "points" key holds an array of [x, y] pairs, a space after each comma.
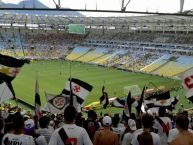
{"points": [[76, 135], [156, 138], [119, 130], [127, 138], [20, 139], [167, 121], [173, 133], [44, 132], [41, 140]]}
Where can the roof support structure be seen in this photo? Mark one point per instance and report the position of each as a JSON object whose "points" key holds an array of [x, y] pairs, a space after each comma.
{"points": [[123, 6], [58, 5], [181, 5]]}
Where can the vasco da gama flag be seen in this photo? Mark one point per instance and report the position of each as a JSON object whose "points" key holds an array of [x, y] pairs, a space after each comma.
{"points": [[79, 90], [120, 103], [9, 68], [57, 103], [161, 100], [187, 82]]}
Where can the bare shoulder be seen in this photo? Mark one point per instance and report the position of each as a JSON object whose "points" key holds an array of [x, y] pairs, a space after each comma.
{"points": [[176, 141]]}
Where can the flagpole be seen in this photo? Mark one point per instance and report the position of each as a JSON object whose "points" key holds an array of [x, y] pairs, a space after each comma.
{"points": [[71, 95], [35, 92]]}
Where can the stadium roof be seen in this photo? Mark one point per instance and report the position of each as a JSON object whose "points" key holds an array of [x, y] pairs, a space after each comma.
{"points": [[162, 21]]}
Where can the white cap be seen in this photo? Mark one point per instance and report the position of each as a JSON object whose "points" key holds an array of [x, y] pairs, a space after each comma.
{"points": [[132, 124], [107, 121], [29, 124]]}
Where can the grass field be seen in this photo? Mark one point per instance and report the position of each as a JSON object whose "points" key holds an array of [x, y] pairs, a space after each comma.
{"points": [[53, 75]]}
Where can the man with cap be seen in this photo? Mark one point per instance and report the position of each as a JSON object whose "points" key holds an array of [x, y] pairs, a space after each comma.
{"points": [[29, 129], [129, 135], [105, 136]]}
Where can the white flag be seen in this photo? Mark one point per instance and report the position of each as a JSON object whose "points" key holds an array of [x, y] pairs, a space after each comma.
{"points": [[79, 88], [187, 82], [57, 103], [5, 92]]}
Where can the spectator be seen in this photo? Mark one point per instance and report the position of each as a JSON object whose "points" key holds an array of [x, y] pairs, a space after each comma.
{"points": [[116, 127], [162, 125], [70, 133], [105, 136], [173, 133], [29, 129], [43, 130], [184, 137], [1, 128], [129, 135], [17, 136], [90, 124], [146, 136]]}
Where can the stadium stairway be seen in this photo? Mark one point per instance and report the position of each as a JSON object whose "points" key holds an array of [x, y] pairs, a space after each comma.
{"points": [[103, 60], [178, 74], [95, 60], [81, 56], [77, 52], [157, 64], [163, 65], [92, 55]]}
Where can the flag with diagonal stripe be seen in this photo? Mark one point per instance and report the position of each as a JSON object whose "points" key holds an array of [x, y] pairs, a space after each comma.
{"points": [[9, 69], [38, 111], [79, 90]]}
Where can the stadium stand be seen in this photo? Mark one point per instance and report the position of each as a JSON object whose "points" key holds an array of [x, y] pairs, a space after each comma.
{"points": [[157, 45], [77, 53]]}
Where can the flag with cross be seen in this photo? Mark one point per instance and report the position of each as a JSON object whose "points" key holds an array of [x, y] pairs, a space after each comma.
{"points": [[78, 90]]}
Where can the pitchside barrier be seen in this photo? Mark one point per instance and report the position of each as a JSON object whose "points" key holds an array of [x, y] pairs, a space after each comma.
{"points": [[134, 89]]}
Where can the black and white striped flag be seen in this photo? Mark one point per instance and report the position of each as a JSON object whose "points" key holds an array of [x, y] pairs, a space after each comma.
{"points": [[38, 111], [104, 100]]}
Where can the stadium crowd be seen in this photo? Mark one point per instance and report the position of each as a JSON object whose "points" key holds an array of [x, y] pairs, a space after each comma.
{"points": [[19, 127]]}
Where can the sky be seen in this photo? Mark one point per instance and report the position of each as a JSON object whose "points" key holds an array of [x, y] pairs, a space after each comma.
{"points": [[134, 5]]}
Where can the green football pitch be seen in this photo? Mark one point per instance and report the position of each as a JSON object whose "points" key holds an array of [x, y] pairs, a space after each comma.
{"points": [[53, 75]]}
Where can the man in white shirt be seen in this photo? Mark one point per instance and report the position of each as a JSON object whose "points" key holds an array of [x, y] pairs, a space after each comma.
{"points": [[70, 133], [146, 134], [128, 136], [17, 137], [162, 125], [43, 130]]}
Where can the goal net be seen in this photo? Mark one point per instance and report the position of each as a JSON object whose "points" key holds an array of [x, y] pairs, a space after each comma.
{"points": [[134, 89]]}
